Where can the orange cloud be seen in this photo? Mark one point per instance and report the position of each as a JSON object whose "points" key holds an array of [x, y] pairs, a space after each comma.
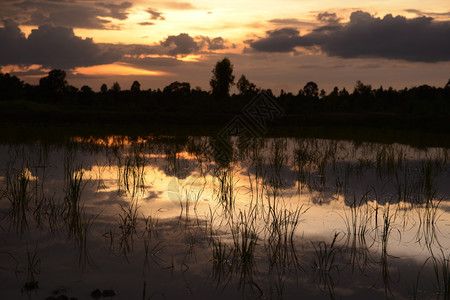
{"points": [[116, 69]]}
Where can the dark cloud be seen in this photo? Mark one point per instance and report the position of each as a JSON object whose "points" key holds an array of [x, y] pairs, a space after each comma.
{"points": [[58, 47], [181, 44], [117, 11], [146, 23], [217, 43], [289, 21], [135, 49], [418, 39], [328, 18], [75, 17], [75, 14], [430, 14], [279, 40], [54, 47], [155, 15], [173, 45]]}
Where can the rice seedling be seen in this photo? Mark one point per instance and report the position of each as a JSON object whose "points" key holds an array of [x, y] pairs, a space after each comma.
{"points": [[324, 260], [281, 224], [131, 177], [18, 194], [33, 269], [301, 161], [99, 178], [276, 163], [40, 204], [127, 224], [153, 253], [441, 267], [325, 264], [72, 201], [407, 184], [414, 291], [53, 213], [150, 227], [245, 238], [359, 227], [193, 193], [389, 160], [220, 251], [81, 239], [282, 257], [387, 228], [427, 229], [257, 161], [226, 193]]}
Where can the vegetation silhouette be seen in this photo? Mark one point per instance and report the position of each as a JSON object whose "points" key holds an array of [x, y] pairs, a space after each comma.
{"points": [[222, 79], [54, 100]]}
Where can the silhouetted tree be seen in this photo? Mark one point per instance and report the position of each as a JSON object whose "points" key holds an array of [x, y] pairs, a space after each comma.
{"points": [[447, 86], [177, 89], [54, 83], [362, 89], [332, 100], [135, 87], [115, 87], [222, 79], [11, 87], [85, 89], [86, 94], [104, 88], [322, 94], [362, 97], [311, 90], [245, 87]]}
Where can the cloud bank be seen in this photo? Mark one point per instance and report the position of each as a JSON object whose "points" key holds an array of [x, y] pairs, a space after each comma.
{"points": [[49, 46], [418, 40], [58, 47]]}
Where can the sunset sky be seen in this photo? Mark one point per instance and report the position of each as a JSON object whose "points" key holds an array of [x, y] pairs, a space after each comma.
{"points": [[276, 44]]}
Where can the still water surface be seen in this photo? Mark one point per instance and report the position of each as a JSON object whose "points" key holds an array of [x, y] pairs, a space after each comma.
{"points": [[163, 218]]}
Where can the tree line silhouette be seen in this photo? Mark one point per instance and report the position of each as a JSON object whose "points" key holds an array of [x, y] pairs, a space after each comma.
{"points": [[180, 97]]}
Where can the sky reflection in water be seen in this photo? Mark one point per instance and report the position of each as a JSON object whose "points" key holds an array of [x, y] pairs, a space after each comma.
{"points": [[160, 218]]}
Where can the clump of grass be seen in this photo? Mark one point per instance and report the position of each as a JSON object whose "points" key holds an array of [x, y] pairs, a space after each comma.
{"points": [[281, 224], [127, 224], [245, 238], [325, 263], [18, 194], [78, 223], [220, 251], [441, 266], [358, 227], [428, 216], [221, 254], [387, 228], [226, 192], [72, 201], [33, 269], [132, 173], [302, 159], [276, 162], [150, 227], [81, 241]]}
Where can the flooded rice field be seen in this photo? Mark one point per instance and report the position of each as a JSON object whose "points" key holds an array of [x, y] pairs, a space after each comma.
{"points": [[276, 218]]}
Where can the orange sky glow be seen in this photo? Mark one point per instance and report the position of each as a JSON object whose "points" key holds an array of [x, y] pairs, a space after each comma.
{"points": [[158, 42]]}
